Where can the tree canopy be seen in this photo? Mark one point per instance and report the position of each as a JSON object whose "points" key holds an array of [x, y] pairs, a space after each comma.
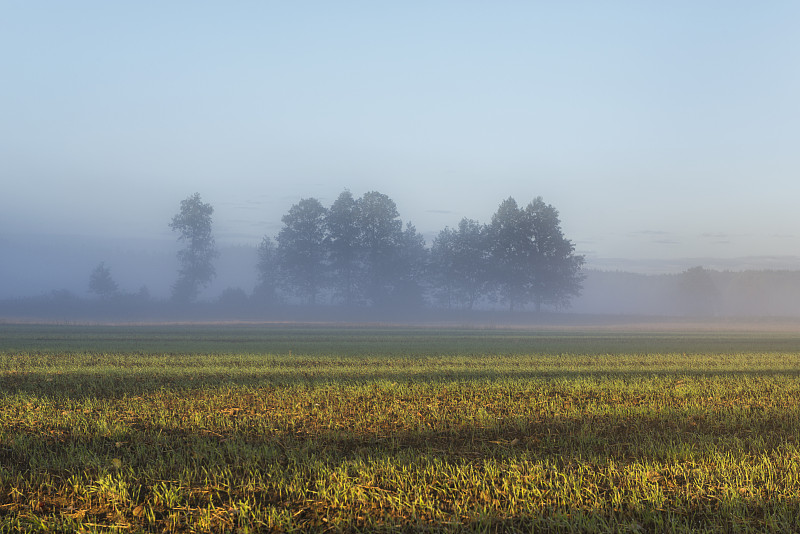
{"points": [[530, 260], [344, 248], [460, 264], [301, 248]]}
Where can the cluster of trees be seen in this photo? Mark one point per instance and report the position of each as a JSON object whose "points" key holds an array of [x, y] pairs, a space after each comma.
{"points": [[358, 253], [520, 257]]}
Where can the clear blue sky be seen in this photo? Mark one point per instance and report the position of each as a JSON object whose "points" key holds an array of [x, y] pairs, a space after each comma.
{"points": [[658, 129]]}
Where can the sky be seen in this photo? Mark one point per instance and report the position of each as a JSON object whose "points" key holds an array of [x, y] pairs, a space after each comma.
{"points": [[660, 130]]}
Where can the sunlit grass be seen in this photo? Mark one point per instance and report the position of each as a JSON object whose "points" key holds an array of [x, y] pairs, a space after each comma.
{"points": [[379, 433]]}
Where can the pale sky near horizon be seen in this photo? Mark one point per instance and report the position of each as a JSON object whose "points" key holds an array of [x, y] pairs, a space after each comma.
{"points": [[659, 130]]}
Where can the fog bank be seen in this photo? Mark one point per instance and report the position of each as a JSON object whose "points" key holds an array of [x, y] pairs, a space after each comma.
{"points": [[52, 267]]}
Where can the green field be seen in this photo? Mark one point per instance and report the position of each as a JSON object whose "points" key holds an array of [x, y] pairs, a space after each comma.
{"points": [[236, 428]]}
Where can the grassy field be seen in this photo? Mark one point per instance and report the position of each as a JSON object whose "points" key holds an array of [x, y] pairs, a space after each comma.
{"points": [[235, 428]]}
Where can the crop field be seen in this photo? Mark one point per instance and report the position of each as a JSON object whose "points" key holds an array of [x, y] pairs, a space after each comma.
{"points": [[286, 428]]}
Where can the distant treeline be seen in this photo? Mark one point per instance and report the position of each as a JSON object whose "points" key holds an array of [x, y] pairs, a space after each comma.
{"points": [[696, 292]]}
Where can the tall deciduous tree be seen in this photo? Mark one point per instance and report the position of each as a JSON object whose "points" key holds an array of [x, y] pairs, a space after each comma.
{"points": [[196, 258], [531, 260], [510, 237], [441, 268], [268, 272], [301, 248], [381, 236], [460, 264], [413, 258], [344, 247], [557, 276]]}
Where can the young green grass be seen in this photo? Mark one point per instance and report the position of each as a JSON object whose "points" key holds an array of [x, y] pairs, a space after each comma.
{"points": [[270, 428]]}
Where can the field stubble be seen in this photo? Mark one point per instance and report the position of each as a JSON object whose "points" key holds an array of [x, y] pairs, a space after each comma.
{"points": [[293, 429]]}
